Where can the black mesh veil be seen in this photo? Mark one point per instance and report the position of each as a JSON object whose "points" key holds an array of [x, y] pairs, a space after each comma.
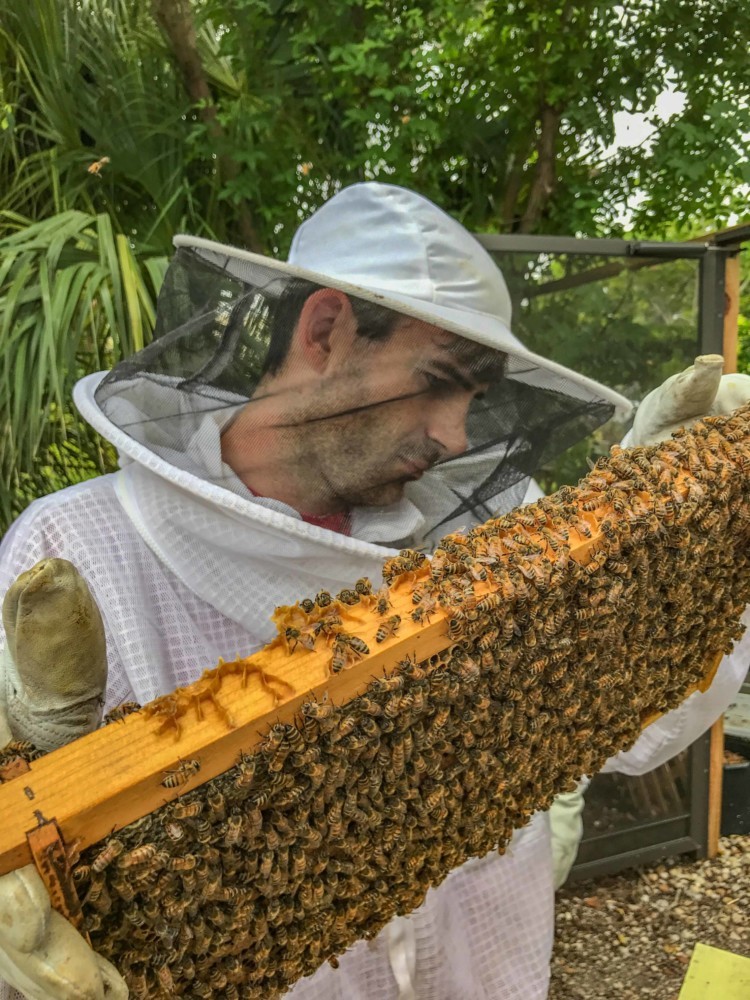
{"points": [[332, 405]]}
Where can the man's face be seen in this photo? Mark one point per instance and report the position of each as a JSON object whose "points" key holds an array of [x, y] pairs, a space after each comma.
{"points": [[386, 411]]}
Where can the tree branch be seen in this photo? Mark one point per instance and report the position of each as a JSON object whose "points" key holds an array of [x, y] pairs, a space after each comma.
{"points": [[175, 18]]}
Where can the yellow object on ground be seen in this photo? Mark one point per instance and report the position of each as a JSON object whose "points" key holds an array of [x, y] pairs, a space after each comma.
{"points": [[715, 974]]}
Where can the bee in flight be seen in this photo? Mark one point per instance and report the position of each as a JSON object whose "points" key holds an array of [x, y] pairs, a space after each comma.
{"points": [[96, 166]]}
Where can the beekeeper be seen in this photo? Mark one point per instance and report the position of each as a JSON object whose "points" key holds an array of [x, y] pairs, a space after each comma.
{"points": [[291, 425]]}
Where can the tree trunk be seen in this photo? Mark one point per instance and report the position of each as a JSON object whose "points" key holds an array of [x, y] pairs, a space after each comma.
{"points": [[545, 174], [513, 181], [175, 18]]}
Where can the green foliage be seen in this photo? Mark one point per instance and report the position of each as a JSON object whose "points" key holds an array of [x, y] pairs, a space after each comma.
{"points": [[77, 457], [458, 101], [501, 112], [630, 329], [74, 298], [92, 79]]}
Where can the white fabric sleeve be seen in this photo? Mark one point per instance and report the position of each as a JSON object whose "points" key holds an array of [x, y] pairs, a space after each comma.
{"points": [[679, 728], [533, 492]]}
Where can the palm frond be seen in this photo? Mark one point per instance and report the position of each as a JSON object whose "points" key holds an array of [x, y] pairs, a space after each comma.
{"points": [[74, 297]]}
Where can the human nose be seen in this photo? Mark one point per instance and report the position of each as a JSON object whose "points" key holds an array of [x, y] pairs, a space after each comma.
{"points": [[447, 425]]}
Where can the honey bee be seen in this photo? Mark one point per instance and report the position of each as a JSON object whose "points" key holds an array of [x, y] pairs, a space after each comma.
{"points": [[187, 810], [424, 612], [594, 565], [477, 571], [81, 873], [323, 599], [382, 601], [489, 603], [217, 805], [318, 710], [279, 746], [404, 567], [363, 587], [456, 628], [232, 837], [113, 850], [388, 628], [246, 766], [339, 658], [487, 639], [582, 527], [618, 567], [327, 625], [164, 975], [303, 637], [347, 649], [411, 669], [398, 757], [202, 831], [349, 597], [307, 606], [369, 727], [174, 830], [584, 614], [95, 168], [137, 981], [439, 721], [138, 856], [121, 711], [182, 774]]}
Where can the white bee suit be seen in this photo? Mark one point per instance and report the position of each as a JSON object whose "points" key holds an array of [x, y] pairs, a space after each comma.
{"points": [[184, 572]]}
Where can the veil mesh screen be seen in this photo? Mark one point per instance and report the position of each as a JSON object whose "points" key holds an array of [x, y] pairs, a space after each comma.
{"points": [[351, 404]]}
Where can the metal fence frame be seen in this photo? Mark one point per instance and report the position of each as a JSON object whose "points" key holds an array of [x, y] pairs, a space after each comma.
{"points": [[711, 254]]}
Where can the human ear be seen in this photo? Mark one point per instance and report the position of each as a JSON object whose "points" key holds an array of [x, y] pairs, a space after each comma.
{"points": [[326, 314]]}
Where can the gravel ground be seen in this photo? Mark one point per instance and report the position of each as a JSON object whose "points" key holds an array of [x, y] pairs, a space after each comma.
{"points": [[630, 936]]}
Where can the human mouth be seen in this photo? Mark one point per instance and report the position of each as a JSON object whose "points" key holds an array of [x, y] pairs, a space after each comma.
{"points": [[415, 470]]}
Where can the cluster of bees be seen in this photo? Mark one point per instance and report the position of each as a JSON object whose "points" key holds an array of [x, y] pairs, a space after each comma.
{"points": [[346, 818]]}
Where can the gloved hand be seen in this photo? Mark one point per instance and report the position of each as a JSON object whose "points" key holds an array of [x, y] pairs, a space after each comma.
{"points": [[566, 827], [44, 956], [53, 673], [55, 660], [699, 391]]}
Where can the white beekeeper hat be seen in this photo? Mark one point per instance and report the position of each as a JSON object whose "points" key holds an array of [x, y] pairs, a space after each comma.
{"points": [[396, 247]]}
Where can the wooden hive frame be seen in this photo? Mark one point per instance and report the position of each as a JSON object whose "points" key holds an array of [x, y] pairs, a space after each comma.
{"points": [[498, 601]]}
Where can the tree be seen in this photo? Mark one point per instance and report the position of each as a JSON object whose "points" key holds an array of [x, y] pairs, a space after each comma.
{"points": [[500, 112]]}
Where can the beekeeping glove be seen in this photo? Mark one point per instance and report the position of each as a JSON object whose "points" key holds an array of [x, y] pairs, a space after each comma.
{"points": [[566, 826], [52, 677], [54, 665], [41, 954], [699, 391]]}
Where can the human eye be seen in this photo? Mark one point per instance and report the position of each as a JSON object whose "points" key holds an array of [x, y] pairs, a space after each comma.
{"points": [[438, 383]]}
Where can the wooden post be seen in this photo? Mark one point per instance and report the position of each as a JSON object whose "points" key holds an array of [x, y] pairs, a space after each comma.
{"points": [[716, 754], [731, 312]]}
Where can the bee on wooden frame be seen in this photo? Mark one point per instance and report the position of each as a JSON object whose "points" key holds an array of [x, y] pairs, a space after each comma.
{"points": [[388, 628], [181, 774]]}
